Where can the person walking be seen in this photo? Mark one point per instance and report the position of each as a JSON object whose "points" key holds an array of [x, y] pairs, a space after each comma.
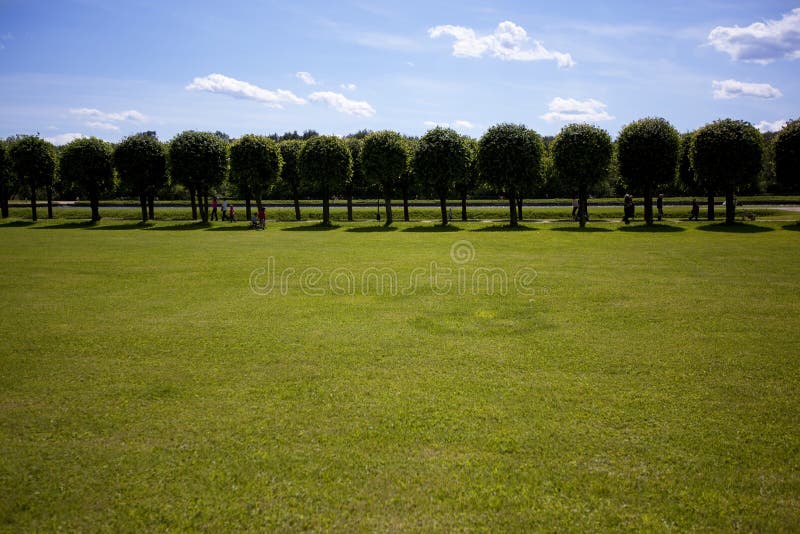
{"points": [[224, 209], [628, 209], [575, 206], [695, 214], [660, 205], [231, 214], [214, 216]]}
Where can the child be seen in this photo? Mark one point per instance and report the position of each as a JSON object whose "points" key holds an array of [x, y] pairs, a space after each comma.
{"points": [[231, 216], [262, 217]]}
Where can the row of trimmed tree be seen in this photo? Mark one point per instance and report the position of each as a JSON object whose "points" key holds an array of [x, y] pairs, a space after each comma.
{"points": [[717, 158]]}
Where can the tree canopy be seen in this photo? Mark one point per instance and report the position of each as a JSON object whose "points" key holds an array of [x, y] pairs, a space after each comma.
{"points": [[199, 160], [440, 161], [326, 161], [787, 156], [141, 163], [88, 163], [384, 157], [510, 158], [34, 163], [581, 156], [647, 154], [726, 154], [256, 164], [290, 174]]}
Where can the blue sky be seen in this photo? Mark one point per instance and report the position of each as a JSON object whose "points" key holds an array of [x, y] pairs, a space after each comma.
{"points": [[110, 69]]}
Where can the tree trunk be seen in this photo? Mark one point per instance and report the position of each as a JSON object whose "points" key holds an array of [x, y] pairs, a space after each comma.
{"points": [[730, 207], [143, 204], [33, 202], [4, 201], [151, 200], [326, 210], [247, 210], [296, 198], [350, 202], [204, 205], [463, 205], [388, 211], [710, 207], [443, 204], [512, 205], [582, 207], [194, 204], [405, 204], [49, 201], [648, 205], [94, 200], [519, 208]]}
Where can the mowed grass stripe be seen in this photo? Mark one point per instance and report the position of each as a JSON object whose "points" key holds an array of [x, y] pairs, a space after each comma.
{"points": [[648, 383]]}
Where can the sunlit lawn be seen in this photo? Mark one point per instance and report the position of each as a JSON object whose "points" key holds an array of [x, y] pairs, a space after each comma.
{"points": [[633, 378]]}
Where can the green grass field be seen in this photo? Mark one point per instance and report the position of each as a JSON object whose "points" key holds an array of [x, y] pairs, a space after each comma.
{"points": [[628, 379]]}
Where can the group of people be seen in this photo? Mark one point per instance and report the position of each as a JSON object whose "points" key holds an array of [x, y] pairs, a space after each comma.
{"points": [[228, 211], [630, 208]]}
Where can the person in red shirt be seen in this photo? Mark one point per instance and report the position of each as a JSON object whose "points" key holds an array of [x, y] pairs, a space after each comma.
{"points": [[262, 217], [231, 218]]}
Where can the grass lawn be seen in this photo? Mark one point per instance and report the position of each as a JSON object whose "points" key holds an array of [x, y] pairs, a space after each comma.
{"points": [[632, 378]]}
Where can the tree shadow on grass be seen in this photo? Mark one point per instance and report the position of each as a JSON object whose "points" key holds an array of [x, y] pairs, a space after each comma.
{"points": [[578, 229], [505, 228], [180, 227], [126, 226], [317, 227], [229, 228], [652, 228], [794, 227], [17, 224], [435, 228], [371, 229], [735, 228], [67, 225]]}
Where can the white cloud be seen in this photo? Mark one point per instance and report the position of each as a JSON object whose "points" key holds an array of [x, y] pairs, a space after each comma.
{"points": [[218, 83], [306, 77], [349, 86], [571, 110], [765, 126], [341, 103], [456, 125], [509, 42], [727, 89], [98, 125], [97, 115], [63, 139], [761, 42]]}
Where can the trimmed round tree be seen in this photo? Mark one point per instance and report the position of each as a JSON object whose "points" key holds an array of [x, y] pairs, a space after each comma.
{"points": [[141, 162], [469, 181], [290, 154], [326, 162], [441, 160], [647, 154], [88, 163], [787, 156], [384, 157], [199, 160], [5, 179], [726, 154], [256, 163], [581, 156], [34, 163], [357, 179], [510, 158]]}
